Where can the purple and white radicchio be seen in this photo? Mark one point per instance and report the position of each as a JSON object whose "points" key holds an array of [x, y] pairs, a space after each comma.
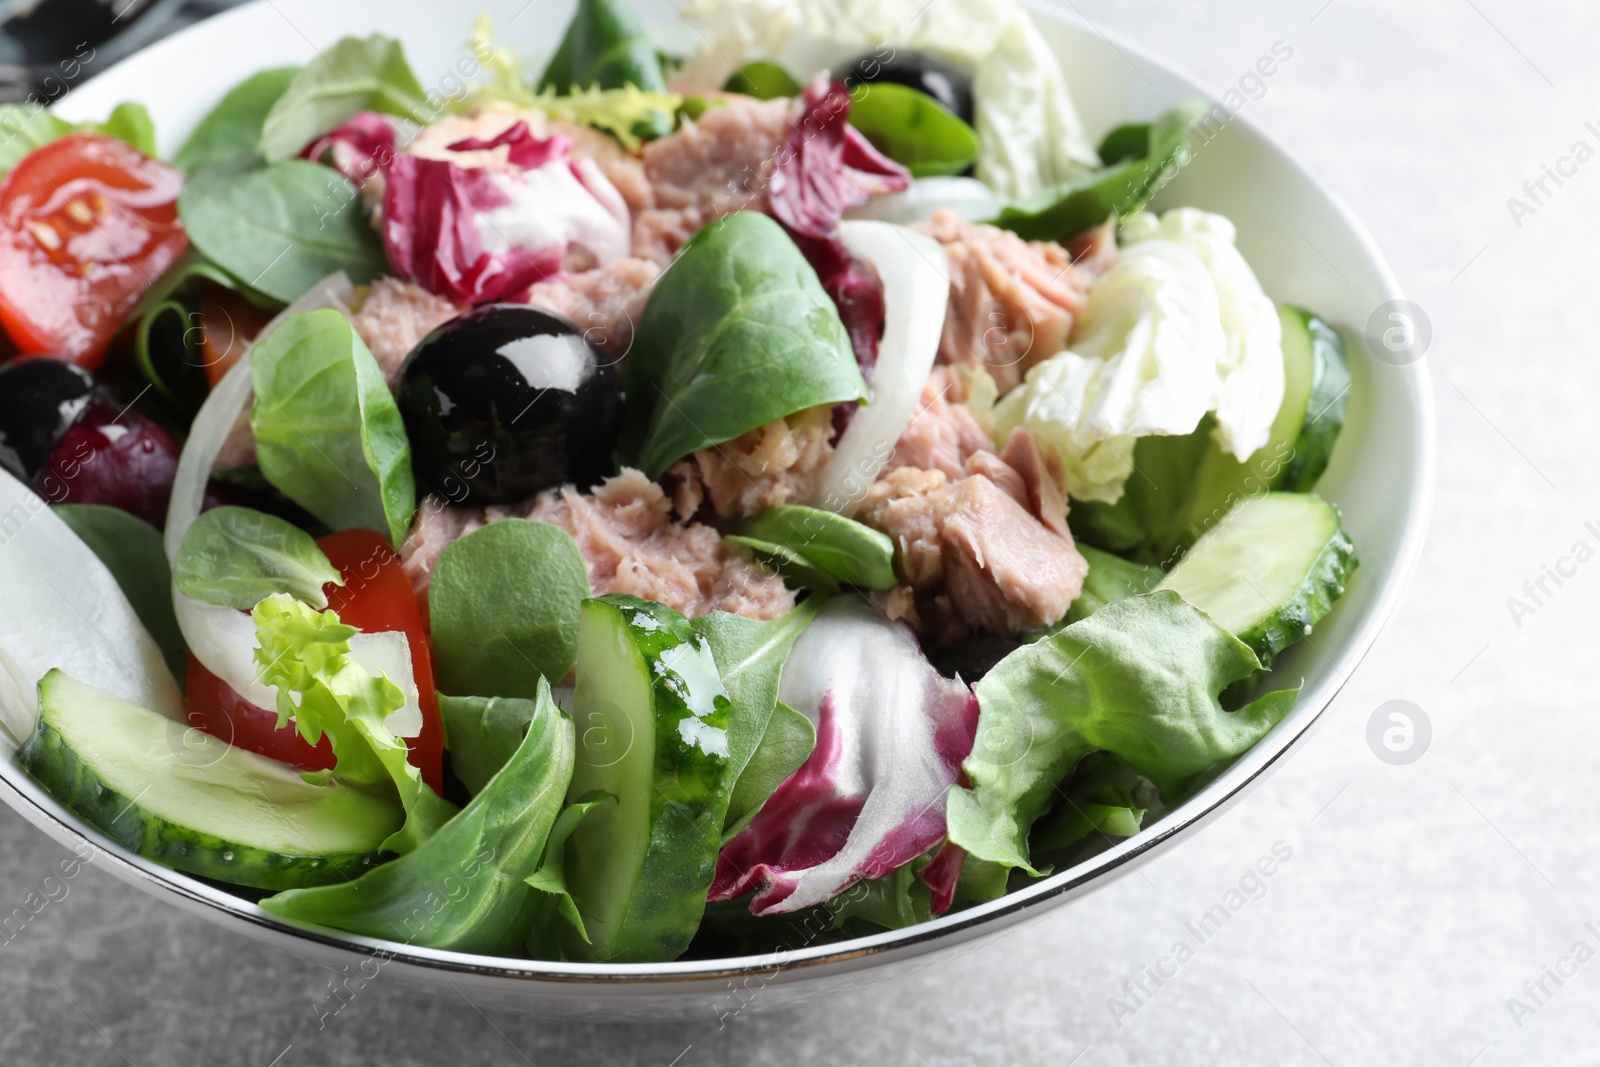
{"points": [[478, 234], [358, 149], [891, 735]]}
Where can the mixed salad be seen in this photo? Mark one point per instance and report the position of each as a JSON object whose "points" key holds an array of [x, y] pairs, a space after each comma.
{"points": [[671, 506]]}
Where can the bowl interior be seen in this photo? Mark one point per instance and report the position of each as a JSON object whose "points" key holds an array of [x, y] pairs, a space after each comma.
{"points": [[1302, 242]]}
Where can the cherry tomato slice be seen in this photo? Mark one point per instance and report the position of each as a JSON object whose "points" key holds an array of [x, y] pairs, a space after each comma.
{"points": [[87, 224], [215, 707], [377, 596]]}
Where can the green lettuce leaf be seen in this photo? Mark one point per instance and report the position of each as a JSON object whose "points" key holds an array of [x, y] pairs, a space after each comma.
{"points": [[129, 122], [465, 888], [237, 557], [355, 74], [482, 733], [1110, 579], [24, 127], [328, 433], [786, 744], [1139, 678], [305, 653], [738, 332], [233, 127], [1104, 799], [503, 609]]}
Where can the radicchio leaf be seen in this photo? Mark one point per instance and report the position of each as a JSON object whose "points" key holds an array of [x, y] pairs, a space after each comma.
{"points": [[358, 149], [891, 735], [523, 149], [827, 166]]}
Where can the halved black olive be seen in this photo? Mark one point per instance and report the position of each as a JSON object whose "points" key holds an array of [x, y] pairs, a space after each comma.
{"points": [[507, 400], [945, 82], [40, 400]]}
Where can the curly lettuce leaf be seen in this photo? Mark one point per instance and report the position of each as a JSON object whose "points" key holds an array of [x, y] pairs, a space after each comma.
{"points": [[1139, 678], [466, 887], [306, 654]]}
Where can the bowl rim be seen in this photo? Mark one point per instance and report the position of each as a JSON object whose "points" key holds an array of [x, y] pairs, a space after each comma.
{"points": [[217, 904]]}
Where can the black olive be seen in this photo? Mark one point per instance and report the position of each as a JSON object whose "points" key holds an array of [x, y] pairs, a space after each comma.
{"points": [[507, 400], [946, 83], [40, 400]]}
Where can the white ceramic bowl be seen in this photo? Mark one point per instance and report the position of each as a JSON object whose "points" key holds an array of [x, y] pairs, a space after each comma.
{"points": [[1303, 243]]}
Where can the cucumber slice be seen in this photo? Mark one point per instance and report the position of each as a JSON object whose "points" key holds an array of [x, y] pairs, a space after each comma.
{"points": [[652, 716], [195, 803], [1313, 349], [1269, 571]]}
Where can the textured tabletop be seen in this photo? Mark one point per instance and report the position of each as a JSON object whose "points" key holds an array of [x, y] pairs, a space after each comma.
{"points": [[1429, 913]]}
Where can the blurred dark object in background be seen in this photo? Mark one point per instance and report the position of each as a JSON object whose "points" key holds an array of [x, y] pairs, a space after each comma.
{"points": [[46, 46]]}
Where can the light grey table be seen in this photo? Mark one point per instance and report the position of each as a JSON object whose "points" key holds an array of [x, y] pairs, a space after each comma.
{"points": [[1418, 899]]}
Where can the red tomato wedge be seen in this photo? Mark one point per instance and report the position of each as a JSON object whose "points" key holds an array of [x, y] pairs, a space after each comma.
{"points": [[376, 596], [87, 224]]}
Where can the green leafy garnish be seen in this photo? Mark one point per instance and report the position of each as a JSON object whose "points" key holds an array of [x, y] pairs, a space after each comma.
{"points": [[328, 433], [237, 557], [737, 332], [355, 74], [913, 129], [482, 733], [1110, 579], [466, 887], [306, 654], [853, 553], [762, 80], [233, 127], [786, 745], [606, 47], [503, 604], [556, 911]]}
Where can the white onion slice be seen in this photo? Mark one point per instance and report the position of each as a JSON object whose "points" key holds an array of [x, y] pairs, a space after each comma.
{"points": [[224, 639], [966, 198], [61, 607], [916, 289]]}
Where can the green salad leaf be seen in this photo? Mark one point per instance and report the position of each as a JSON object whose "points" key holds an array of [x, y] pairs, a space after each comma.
{"points": [[306, 654], [762, 80], [129, 122], [1165, 469], [503, 608], [892, 902], [355, 74], [328, 433], [237, 557], [796, 570], [466, 887], [132, 551], [786, 744], [1110, 579], [233, 127], [481, 733], [1103, 799], [280, 228], [25, 127], [606, 47], [850, 551], [737, 332], [1139, 678], [913, 129], [1120, 188], [556, 911]]}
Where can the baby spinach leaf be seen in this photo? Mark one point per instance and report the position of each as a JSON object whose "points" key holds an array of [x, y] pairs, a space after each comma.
{"points": [[481, 733], [132, 551], [356, 74], [606, 46], [233, 127], [738, 332], [1139, 678], [503, 606], [786, 744], [237, 557], [465, 888], [280, 228], [914, 129], [1110, 579], [1119, 189], [762, 80], [750, 656], [328, 433], [848, 550], [556, 910]]}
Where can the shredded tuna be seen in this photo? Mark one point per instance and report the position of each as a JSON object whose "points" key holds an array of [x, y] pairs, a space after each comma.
{"points": [[630, 544], [942, 435], [395, 316], [604, 303], [1012, 302], [778, 463], [973, 550], [711, 167]]}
